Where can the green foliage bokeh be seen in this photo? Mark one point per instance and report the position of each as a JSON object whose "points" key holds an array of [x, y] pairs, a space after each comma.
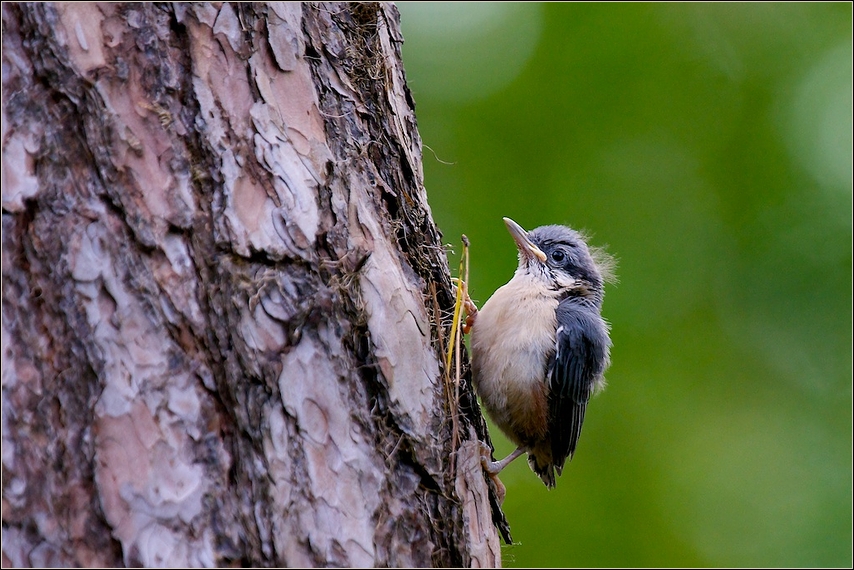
{"points": [[709, 147]]}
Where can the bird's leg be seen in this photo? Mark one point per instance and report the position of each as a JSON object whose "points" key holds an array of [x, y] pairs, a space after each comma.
{"points": [[495, 467], [492, 468]]}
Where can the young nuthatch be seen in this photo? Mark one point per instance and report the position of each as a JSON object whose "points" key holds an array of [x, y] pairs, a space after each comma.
{"points": [[540, 346]]}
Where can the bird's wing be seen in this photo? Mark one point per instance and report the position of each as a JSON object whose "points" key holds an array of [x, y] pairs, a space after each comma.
{"points": [[579, 358]]}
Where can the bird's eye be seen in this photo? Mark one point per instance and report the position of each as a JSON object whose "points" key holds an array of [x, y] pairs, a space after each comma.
{"points": [[558, 255]]}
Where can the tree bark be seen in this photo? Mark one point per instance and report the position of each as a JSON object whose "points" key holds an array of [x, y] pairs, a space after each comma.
{"points": [[225, 301]]}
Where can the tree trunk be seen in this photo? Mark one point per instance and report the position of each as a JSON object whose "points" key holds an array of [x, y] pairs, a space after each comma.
{"points": [[225, 301]]}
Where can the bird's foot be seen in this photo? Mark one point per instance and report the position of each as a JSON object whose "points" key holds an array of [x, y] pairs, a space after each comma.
{"points": [[471, 315], [486, 459], [468, 305], [495, 467], [492, 469], [470, 308]]}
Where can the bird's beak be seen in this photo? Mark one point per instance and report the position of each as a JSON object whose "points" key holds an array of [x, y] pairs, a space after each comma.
{"points": [[520, 236]]}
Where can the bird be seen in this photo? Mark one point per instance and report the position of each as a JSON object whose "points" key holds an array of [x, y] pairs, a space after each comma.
{"points": [[540, 347]]}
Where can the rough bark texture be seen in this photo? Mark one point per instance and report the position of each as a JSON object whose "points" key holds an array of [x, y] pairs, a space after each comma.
{"points": [[224, 297]]}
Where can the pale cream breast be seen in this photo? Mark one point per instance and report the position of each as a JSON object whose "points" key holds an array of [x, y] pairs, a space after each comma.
{"points": [[509, 357]]}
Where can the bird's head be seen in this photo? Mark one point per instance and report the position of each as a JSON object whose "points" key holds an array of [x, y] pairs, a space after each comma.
{"points": [[559, 258]]}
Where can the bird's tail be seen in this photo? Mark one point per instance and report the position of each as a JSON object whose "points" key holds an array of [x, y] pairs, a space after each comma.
{"points": [[540, 460]]}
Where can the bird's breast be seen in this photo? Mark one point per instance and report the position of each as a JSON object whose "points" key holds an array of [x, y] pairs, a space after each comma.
{"points": [[512, 341]]}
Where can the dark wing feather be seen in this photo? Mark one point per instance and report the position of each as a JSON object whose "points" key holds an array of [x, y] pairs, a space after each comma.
{"points": [[581, 354]]}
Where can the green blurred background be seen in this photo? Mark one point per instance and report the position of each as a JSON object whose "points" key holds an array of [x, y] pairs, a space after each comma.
{"points": [[709, 147]]}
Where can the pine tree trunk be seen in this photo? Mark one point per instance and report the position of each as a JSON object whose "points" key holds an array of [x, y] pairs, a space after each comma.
{"points": [[224, 297]]}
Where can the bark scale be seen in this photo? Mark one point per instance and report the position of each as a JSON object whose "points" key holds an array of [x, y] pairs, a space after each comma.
{"points": [[224, 297]]}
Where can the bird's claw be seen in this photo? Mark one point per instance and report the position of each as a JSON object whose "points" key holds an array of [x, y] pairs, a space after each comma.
{"points": [[485, 456], [471, 315], [492, 468], [469, 307]]}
